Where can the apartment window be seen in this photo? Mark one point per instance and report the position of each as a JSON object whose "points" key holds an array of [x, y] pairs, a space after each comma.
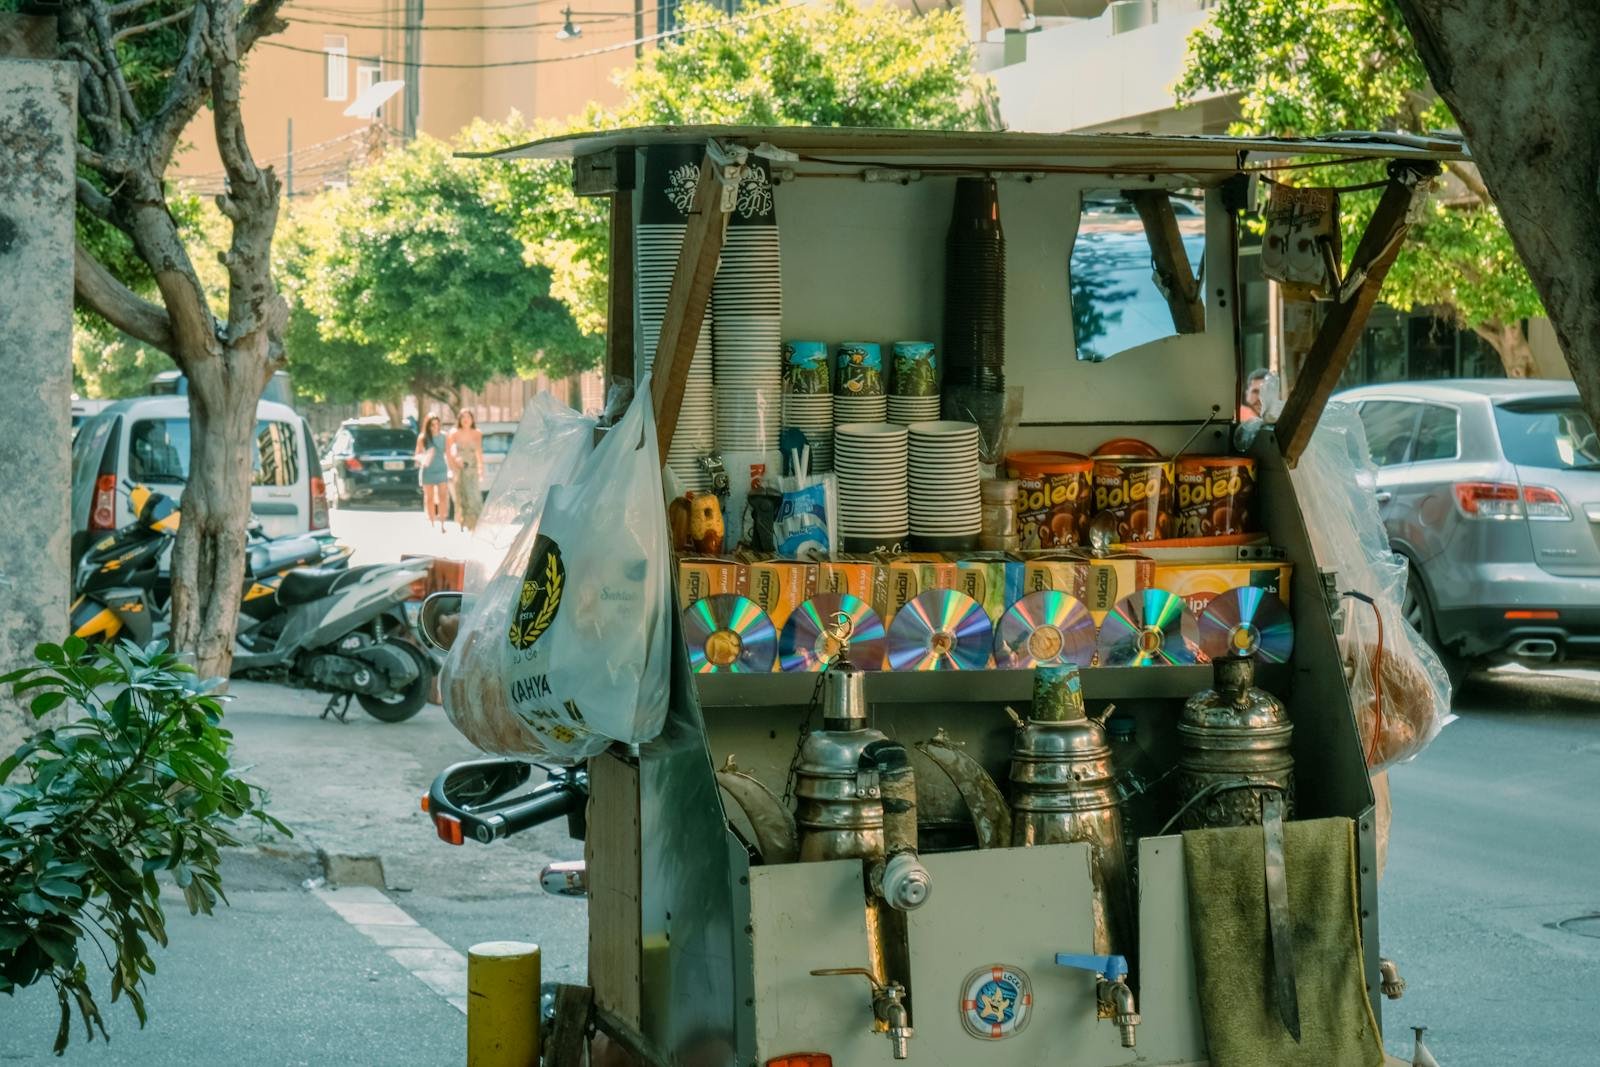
{"points": [[367, 75], [336, 80]]}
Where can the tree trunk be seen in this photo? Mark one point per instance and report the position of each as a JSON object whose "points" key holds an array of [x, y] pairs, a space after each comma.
{"points": [[1519, 77], [208, 556], [395, 409], [1511, 345]]}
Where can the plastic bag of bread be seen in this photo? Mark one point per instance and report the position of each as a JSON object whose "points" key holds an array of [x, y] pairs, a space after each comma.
{"points": [[551, 443], [1399, 691]]}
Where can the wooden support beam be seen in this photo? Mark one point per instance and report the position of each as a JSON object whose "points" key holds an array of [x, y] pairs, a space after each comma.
{"points": [[603, 173], [611, 852], [686, 303], [1178, 282], [619, 293], [1347, 317], [564, 1045]]}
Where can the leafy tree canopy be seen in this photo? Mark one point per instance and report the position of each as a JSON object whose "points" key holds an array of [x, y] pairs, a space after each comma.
{"points": [[412, 263], [828, 64], [1304, 67]]}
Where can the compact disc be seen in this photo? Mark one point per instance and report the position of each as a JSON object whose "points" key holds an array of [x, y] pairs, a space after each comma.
{"points": [[940, 630], [1045, 627], [1152, 627], [728, 632], [1247, 620], [808, 641]]}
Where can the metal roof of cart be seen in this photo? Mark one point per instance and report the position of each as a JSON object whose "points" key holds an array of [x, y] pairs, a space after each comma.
{"points": [[1089, 151]]}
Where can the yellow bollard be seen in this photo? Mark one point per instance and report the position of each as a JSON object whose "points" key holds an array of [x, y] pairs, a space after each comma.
{"points": [[503, 1004]]}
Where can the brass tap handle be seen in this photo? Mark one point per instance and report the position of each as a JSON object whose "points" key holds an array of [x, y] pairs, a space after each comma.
{"points": [[831, 972], [1016, 719]]}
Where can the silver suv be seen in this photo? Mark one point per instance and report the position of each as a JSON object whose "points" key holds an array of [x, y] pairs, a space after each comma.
{"points": [[1491, 489]]}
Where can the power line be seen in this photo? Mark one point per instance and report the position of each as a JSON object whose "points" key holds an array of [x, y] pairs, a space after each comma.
{"points": [[355, 12], [589, 19], [617, 47]]}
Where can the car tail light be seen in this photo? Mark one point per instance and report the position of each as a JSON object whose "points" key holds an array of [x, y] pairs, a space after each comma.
{"points": [[448, 827], [425, 802], [103, 516], [1532, 616], [352, 464], [419, 588], [1489, 500], [802, 1059], [319, 504], [1542, 502]]}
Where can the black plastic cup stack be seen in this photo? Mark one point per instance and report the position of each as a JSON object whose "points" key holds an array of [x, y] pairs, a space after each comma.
{"points": [[975, 306]]}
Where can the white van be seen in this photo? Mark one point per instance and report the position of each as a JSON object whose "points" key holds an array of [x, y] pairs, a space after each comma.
{"points": [[145, 440]]}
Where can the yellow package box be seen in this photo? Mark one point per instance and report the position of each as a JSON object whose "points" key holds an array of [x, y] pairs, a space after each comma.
{"points": [[914, 573], [995, 582], [778, 586], [699, 578], [862, 579], [1098, 582], [1197, 583]]}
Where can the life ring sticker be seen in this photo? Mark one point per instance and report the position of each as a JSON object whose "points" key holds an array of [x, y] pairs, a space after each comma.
{"points": [[996, 1002]]}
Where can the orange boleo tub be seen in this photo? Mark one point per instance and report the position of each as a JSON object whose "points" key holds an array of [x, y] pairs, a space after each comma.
{"points": [[1136, 491], [1214, 495], [1053, 494]]}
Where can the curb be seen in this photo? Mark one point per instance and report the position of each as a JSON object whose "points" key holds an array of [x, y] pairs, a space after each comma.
{"points": [[307, 863]]}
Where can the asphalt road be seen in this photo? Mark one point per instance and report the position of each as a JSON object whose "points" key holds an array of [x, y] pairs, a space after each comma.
{"points": [[1493, 847]]}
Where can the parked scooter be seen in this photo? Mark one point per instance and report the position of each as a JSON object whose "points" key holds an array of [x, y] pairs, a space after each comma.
{"points": [[332, 628]]}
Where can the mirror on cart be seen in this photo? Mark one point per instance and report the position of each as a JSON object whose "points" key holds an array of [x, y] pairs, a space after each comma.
{"points": [[1112, 279]]}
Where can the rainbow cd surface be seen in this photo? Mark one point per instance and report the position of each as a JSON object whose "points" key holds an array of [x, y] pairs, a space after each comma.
{"points": [[1149, 628], [1046, 627], [1247, 620], [940, 630], [728, 632], [807, 642]]}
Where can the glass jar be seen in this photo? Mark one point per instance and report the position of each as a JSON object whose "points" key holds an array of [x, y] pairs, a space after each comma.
{"points": [[999, 532]]}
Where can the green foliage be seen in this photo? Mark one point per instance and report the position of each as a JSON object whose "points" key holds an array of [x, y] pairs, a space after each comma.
{"points": [[92, 809], [1304, 67], [828, 64], [412, 262]]}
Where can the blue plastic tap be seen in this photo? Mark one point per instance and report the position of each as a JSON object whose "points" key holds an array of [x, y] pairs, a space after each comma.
{"points": [[1110, 968]]}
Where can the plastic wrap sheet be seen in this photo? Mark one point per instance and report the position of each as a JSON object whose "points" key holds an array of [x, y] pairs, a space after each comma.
{"points": [[1398, 690]]}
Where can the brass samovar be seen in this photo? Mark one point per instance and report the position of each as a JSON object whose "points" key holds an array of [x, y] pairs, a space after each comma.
{"points": [[1235, 750]]}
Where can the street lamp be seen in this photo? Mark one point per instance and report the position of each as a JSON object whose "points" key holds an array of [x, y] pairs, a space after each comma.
{"points": [[568, 31]]}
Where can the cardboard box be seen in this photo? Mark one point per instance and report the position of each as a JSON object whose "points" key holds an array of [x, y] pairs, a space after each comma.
{"points": [[1197, 583], [862, 579], [778, 586], [913, 573], [1099, 582], [996, 582], [703, 577]]}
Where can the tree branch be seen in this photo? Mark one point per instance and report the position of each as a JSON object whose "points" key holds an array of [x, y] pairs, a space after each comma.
{"points": [[186, 91], [93, 198], [135, 316], [260, 20], [100, 19], [1467, 174], [105, 164], [146, 27], [129, 7]]}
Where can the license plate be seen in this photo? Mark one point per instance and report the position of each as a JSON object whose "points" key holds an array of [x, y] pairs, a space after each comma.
{"points": [[394, 465]]}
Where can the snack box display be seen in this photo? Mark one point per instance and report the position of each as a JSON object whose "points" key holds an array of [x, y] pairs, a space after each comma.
{"points": [[1197, 583], [912, 573], [778, 586], [863, 579], [1099, 582], [707, 576], [996, 582]]}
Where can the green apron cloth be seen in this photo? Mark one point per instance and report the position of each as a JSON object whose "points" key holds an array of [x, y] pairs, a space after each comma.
{"points": [[1232, 953]]}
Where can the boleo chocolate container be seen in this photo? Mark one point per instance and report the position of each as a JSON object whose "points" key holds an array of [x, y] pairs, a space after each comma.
{"points": [[1214, 495], [1053, 491], [1137, 492]]}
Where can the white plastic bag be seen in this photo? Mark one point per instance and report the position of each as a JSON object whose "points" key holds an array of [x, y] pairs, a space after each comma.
{"points": [[551, 443], [587, 651], [1399, 691]]}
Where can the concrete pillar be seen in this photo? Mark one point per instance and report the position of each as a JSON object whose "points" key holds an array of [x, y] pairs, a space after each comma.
{"points": [[38, 103]]}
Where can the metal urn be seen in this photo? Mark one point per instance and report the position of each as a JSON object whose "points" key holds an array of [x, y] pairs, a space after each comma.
{"points": [[839, 810], [1234, 741], [1062, 791]]}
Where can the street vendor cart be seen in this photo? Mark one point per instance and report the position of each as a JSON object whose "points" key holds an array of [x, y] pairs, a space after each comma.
{"points": [[850, 856]]}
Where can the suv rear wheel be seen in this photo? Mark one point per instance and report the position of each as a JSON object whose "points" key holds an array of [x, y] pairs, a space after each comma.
{"points": [[1419, 614]]}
